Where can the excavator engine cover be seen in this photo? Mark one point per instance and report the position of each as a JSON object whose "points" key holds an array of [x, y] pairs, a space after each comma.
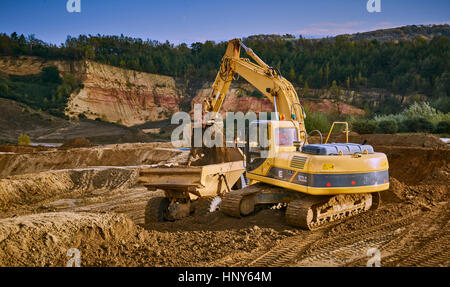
{"points": [[337, 148]]}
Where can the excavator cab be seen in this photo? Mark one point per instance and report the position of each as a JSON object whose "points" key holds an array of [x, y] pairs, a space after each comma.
{"points": [[267, 138]]}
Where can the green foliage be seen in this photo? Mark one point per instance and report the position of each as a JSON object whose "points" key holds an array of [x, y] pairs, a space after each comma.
{"points": [[407, 67], [417, 110], [335, 92], [442, 104], [50, 75], [418, 124], [45, 91], [24, 139], [424, 110], [443, 127], [317, 121], [306, 90], [387, 126], [3, 89], [257, 94], [364, 126]]}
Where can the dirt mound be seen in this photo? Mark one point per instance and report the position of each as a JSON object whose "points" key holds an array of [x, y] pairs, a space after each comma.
{"points": [[24, 190], [110, 155], [424, 195], [413, 140], [44, 239], [77, 142], [413, 165], [396, 192], [23, 149], [16, 118]]}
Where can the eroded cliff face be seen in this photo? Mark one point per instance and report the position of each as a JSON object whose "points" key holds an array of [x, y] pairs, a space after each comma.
{"points": [[237, 99], [109, 93], [124, 96], [26, 65], [131, 98]]}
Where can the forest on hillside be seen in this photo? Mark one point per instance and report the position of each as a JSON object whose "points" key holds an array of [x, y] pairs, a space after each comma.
{"points": [[413, 67]]}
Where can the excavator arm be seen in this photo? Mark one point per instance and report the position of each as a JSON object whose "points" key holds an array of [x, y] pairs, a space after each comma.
{"points": [[263, 77]]}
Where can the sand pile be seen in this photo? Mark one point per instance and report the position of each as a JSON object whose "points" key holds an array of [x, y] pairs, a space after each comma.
{"points": [[44, 239], [111, 155], [23, 190]]}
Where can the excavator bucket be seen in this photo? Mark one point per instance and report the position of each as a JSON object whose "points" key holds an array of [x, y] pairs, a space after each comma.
{"points": [[198, 181]]}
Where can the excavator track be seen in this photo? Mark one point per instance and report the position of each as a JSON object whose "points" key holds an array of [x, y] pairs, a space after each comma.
{"points": [[305, 211], [313, 212], [239, 202]]}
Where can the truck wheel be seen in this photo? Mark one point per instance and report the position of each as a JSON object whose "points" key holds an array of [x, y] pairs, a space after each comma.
{"points": [[155, 209], [207, 204]]}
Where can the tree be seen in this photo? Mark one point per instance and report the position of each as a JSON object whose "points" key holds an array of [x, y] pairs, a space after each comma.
{"points": [[24, 139], [306, 90], [292, 75], [336, 95], [50, 75]]}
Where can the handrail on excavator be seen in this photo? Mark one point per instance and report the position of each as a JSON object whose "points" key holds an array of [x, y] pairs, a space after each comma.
{"points": [[331, 129]]}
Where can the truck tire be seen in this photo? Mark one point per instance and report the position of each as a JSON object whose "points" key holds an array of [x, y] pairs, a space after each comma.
{"points": [[155, 209]]}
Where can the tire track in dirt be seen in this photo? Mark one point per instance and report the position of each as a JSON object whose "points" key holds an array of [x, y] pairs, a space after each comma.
{"points": [[424, 244], [308, 248], [338, 251]]}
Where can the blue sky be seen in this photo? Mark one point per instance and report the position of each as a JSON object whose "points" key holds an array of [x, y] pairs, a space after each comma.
{"points": [[198, 20]]}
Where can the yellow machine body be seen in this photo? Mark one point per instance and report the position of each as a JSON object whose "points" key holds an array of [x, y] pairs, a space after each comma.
{"points": [[319, 174], [324, 174]]}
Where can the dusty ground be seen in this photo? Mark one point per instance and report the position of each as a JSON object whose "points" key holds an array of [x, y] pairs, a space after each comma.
{"points": [[99, 210], [17, 118]]}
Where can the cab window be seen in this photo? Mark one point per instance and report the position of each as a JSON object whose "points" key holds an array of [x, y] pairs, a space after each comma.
{"points": [[286, 136]]}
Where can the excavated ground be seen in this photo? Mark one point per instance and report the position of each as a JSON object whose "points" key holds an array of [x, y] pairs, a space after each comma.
{"points": [[99, 210]]}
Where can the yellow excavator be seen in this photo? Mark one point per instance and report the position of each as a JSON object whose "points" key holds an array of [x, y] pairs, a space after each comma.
{"points": [[319, 183]]}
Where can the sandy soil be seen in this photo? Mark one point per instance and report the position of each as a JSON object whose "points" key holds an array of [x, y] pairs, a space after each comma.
{"points": [[101, 214]]}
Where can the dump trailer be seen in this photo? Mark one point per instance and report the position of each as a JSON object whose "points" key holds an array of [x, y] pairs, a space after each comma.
{"points": [[191, 188]]}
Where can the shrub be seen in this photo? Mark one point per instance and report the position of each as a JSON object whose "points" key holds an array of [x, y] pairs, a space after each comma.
{"points": [[50, 75], [418, 124], [442, 104], [443, 127], [317, 121], [4, 89], [24, 139], [257, 94], [82, 116], [365, 126], [424, 110], [388, 126]]}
